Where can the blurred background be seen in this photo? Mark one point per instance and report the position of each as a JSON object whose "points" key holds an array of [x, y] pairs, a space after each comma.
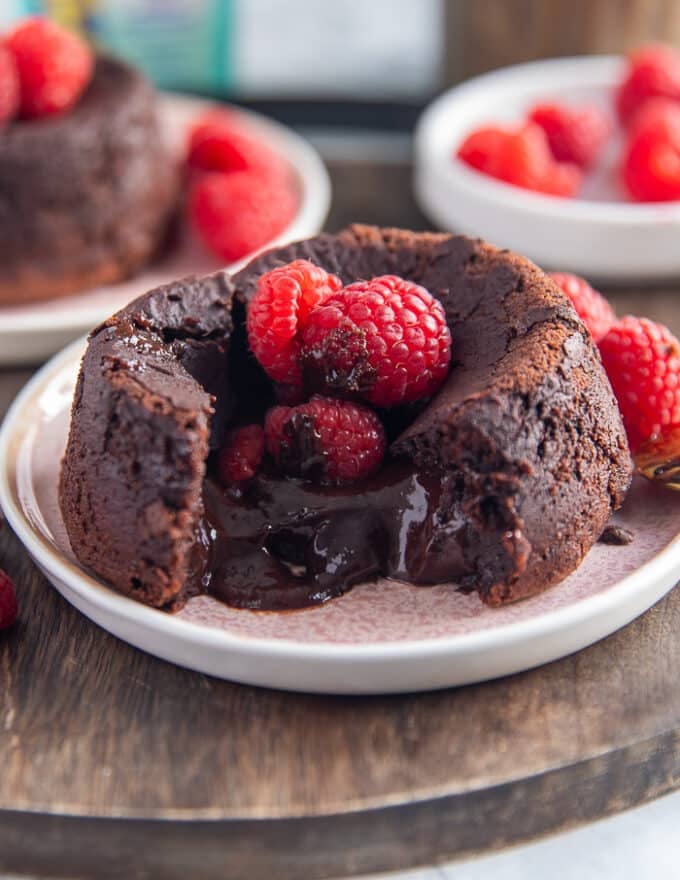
{"points": [[351, 75], [350, 62]]}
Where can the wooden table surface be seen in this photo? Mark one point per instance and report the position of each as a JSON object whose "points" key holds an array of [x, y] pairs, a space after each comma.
{"points": [[115, 764]]}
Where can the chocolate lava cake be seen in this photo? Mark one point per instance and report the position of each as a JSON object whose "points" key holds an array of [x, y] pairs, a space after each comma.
{"points": [[499, 484], [85, 195]]}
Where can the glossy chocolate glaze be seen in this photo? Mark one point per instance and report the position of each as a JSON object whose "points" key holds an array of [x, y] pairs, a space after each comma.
{"points": [[278, 543]]}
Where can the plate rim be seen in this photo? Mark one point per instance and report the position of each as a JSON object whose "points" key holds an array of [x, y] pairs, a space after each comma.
{"points": [[661, 568]]}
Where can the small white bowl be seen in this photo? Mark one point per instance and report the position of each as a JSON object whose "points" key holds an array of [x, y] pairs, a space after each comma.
{"points": [[600, 235]]}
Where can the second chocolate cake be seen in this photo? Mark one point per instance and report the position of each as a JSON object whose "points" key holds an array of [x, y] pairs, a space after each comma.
{"points": [[500, 484], [86, 195]]}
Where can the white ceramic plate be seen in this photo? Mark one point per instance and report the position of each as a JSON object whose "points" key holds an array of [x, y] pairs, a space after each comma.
{"points": [[600, 235], [380, 638], [29, 334]]}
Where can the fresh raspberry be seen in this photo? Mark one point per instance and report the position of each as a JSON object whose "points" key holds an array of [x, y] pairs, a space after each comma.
{"points": [[521, 157], [563, 179], [54, 66], [240, 212], [279, 309], [480, 148], [524, 159], [241, 454], [591, 307], [221, 141], [9, 610], [326, 440], [9, 87], [385, 340], [651, 159], [653, 72], [642, 360], [659, 117], [575, 134]]}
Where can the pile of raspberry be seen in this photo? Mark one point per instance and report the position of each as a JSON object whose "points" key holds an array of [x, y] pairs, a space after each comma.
{"points": [[340, 357], [44, 69], [241, 194], [642, 360], [557, 144]]}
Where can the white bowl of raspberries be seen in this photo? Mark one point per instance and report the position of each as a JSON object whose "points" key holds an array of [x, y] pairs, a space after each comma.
{"points": [[571, 161]]}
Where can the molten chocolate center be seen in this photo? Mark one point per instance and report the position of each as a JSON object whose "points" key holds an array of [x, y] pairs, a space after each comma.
{"points": [[280, 543]]}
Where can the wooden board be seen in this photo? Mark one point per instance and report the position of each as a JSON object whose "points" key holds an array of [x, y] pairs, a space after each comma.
{"points": [[487, 34], [115, 764]]}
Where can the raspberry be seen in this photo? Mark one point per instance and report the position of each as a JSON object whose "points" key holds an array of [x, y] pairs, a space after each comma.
{"points": [[591, 307], [651, 162], [220, 141], [241, 454], [653, 72], [480, 148], [386, 340], [279, 308], [240, 212], [524, 159], [657, 116], [521, 157], [9, 87], [53, 64], [9, 610], [327, 441], [575, 134], [563, 179], [642, 360]]}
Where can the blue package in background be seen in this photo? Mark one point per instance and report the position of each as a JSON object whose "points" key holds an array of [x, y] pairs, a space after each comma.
{"points": [[180, 44]]}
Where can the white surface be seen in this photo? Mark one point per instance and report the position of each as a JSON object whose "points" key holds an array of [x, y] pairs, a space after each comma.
{"points": [[38, 419], [599, 235], [29, 334], [641, 844]]}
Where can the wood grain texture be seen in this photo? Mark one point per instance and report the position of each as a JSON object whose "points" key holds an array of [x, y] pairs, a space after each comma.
{"points": [[222, 777], [117, 764], [486, 34]]}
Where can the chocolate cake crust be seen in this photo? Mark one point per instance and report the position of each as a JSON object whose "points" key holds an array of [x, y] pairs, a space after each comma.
{"points": [[85, 196], [131, 481], [522, 451]]}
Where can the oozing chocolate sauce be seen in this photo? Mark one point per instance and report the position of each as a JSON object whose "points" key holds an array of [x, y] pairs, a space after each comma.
{"points": [[280, 543]]}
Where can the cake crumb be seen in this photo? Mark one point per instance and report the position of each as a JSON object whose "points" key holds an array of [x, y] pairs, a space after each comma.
{"points": [[616, 535]]}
